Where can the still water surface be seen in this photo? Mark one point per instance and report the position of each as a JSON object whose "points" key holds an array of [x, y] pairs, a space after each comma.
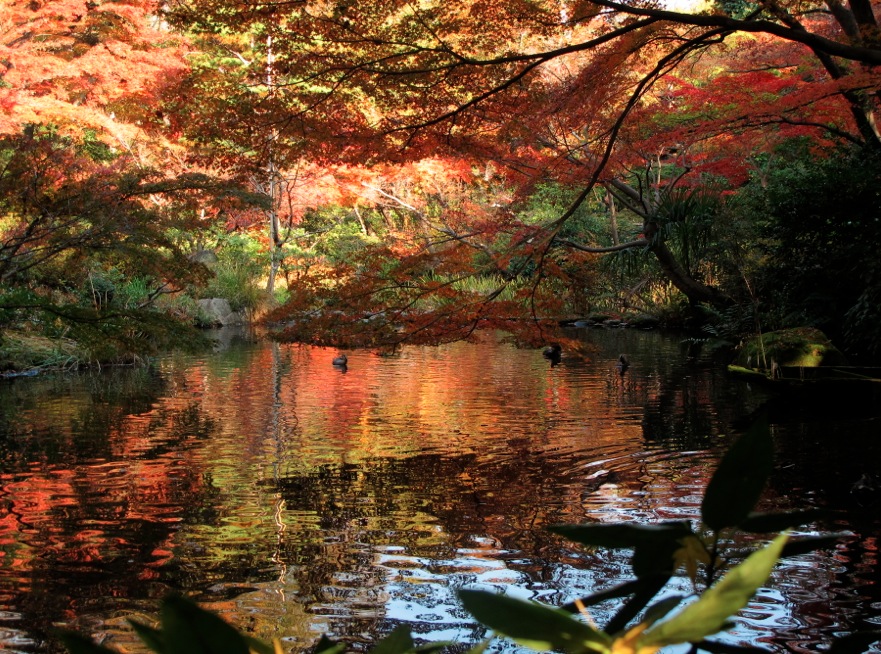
{"points": [[298, 499]]}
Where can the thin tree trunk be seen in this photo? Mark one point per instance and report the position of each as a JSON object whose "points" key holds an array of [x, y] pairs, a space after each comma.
{"points": [[613, 217]]}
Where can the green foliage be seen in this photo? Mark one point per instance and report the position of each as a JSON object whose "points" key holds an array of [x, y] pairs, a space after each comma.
{"points": [[695, 226], [543, 628], [534, 625], [735, 8], [21, 352], [710, 614], [476, 287], [87, 247], [238, 274], [686, 220], [820, 222], [641, 626], [803, 347], [738, 483], [335, 234], [95, 148], [549, 201]]}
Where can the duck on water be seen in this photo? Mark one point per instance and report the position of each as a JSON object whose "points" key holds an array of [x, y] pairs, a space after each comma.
{"points": [[553, 353]]}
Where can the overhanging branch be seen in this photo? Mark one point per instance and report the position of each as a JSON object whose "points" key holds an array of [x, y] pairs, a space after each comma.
{"points": [[640, 242], [866, 55]]}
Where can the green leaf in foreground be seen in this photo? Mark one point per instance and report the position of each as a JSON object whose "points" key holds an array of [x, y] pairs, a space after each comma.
{"points": [[259, 647], [534, 625], [326, 646], [710, 613], [189, 629], [738, 482], [151, 637], [79, 644], [397, 642]]}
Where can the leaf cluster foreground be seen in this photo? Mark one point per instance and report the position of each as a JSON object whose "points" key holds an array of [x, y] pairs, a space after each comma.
{"points": [[642, 624]]}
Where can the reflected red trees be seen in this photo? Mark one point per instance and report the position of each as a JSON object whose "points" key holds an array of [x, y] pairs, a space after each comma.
{"points": [[269, 473]]}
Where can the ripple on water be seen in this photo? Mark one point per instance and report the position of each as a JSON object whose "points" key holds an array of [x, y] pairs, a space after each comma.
{"points": [[296, 500]]}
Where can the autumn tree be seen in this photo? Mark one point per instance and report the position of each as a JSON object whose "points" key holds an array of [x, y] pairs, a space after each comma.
{"points": [[584, 93], [93, 70], [94, 189]]}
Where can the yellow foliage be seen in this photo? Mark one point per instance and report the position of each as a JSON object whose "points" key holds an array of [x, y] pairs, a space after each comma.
{"points": [[691, 552], [629, 642]]}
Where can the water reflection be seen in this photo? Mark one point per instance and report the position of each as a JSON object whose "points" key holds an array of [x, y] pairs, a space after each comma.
{"points": [[297, 500]]}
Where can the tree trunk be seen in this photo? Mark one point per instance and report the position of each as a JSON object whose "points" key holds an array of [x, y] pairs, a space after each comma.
{"points": [[695, 291], [613, 217]]}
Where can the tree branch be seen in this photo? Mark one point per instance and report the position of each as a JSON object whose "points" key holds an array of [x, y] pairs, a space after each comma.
{"points": [[640, 242], [862, 54]]}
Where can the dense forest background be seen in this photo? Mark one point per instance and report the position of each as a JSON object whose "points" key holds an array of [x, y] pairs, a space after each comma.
{"points": [[370, 174]]}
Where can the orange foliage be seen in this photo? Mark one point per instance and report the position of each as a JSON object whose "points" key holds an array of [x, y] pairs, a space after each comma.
{"points": [[445, 115], [81, 65]]}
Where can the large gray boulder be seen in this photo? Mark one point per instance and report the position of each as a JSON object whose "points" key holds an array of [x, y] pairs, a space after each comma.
{"points": [[216, 312]]}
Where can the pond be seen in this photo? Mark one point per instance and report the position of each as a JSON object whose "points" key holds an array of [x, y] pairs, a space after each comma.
{"points": [[298, 499]]}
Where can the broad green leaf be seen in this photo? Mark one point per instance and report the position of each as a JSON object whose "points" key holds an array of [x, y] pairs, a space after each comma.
{"points": [[189, 629], [630, 642], [326, 646], [653, 559], [690, 553], [738, 482], [260, 647], [659, 610], [151, 637], [534, 625], [711, 611], [79, 644], [762, 523], [634, 605], [397, 642], [623, 535]]}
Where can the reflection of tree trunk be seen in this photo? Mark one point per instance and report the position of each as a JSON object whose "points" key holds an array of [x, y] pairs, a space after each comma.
{"points": [[275, 427]]}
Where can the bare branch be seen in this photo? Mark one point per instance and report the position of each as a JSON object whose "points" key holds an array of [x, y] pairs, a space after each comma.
{"points": [[640, 242], [866, 55]]}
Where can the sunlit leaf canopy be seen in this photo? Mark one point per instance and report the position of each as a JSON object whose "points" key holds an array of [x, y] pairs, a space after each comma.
{"points": [[445, 122], [581, 93], [539, 87]]}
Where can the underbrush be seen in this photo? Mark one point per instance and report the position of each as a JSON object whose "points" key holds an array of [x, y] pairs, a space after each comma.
{"points": [[22, 352]]}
